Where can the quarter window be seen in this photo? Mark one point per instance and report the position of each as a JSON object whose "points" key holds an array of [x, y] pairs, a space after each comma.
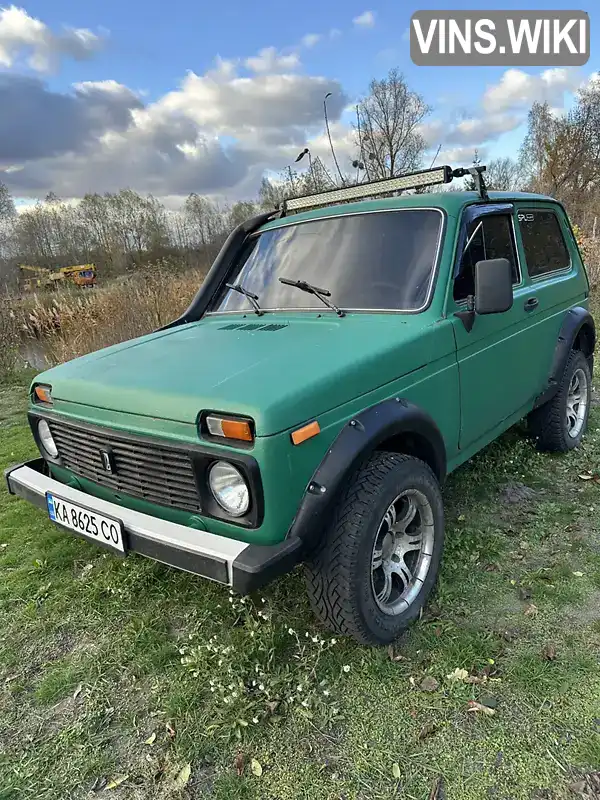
{"points": [[543, 242], [487, 237]]}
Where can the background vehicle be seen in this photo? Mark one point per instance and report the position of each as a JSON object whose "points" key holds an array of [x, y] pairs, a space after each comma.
{"points": [[277, 422], [83, 275]]}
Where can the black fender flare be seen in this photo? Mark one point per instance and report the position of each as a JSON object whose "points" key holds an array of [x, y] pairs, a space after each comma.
{"points": [[359, 437], [575, 319]]}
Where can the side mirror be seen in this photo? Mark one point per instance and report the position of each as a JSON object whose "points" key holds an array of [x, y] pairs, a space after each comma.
{"points": [[493, 286]]}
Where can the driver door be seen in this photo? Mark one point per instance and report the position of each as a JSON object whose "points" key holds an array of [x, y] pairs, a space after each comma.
{"points": [[494, 357]]}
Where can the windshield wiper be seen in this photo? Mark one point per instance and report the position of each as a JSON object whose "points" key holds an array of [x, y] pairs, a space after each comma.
{"points": [[322, 294], [236, 287]]}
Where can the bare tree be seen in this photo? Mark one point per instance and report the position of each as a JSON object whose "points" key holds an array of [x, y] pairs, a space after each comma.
{"points": [[8, 216], [501, 175], [561, 154], [504, 175], [387, 132]]}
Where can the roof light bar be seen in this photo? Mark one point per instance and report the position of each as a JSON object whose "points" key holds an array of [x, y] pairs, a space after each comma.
{"points": [[412, 180]]}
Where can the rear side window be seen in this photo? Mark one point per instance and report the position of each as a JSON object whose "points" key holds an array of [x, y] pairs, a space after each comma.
{"points": [[487, 237], [543, 242]]}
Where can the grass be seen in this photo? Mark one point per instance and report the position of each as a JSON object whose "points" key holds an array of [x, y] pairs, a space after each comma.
{"points": [[71, 322], [125, 678]]}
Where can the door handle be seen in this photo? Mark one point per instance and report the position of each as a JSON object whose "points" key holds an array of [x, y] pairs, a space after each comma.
{"points": [[532, 303]]}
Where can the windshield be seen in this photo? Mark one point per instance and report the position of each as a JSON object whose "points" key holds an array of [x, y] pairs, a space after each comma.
{"points": [[379, 260]]}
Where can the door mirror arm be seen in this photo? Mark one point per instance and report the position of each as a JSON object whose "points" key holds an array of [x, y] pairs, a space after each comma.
{"points": [[467, 317]]}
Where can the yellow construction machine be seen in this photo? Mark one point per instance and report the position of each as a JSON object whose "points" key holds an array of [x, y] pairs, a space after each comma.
{"points": [[82, 275]]}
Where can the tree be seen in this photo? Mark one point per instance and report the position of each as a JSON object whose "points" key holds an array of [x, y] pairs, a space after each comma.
{"points": [[561, 154], [387, 133], [240, 212], [206, 222], [8, 215], [7, 205], [501, 175]]}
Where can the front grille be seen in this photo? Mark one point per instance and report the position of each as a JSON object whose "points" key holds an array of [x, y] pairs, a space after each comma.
{"points": [[154, 472]]}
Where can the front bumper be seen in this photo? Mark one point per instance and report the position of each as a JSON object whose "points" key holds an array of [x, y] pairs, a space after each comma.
{"points": [[242, 566]]}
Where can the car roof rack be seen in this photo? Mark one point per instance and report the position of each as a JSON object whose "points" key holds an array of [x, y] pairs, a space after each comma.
{"points": [[411, 180]]}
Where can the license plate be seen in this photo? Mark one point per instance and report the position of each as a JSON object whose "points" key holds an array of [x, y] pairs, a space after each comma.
{"points": [[100, 529]]}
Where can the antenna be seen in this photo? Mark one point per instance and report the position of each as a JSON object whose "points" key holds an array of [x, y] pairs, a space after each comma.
{"points": [[437, 152], [360, 144], [329, 137]]}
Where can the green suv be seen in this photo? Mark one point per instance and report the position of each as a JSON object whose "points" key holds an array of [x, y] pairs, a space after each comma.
{"points": [[342, 357]]}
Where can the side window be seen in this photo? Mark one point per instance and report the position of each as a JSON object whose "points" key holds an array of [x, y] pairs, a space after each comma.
{"points": [[543, 242], [487, 237]]}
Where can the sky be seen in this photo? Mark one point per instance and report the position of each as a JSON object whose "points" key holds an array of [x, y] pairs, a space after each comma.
{"points": [[190, 96]]}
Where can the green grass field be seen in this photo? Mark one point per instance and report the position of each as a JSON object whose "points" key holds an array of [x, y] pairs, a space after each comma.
{"points": [[124, 679]]}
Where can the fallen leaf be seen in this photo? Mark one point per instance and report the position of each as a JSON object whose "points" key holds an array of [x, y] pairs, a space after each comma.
{"points": [[170, 730], [183, 776], [77, 691], [256, 767], [578, 574], [396, 771], [458, 675], [549, 652], [586, 477], [117, 781], [461, 518], [151, 739], [531, 610], [272, 705], [479, 707], [438, 790], [429, 684], [239, 763], [427, 730], [488, 701], [393, 655]]}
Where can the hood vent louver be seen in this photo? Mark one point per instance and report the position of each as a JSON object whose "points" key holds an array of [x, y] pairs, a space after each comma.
{"points": [[252, 326]]}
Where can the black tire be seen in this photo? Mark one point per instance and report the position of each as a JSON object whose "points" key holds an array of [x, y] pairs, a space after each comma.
{"points": [[549, 423], [339, 577]]}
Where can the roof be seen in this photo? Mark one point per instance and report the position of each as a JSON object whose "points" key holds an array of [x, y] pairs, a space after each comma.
{"points": [[450, 202]]}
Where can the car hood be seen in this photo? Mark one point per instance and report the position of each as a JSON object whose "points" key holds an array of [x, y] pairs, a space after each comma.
{"points": [[279, 370]]}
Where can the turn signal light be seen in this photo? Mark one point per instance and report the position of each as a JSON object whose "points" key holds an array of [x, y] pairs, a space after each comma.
{"points": [[43, 394], [230, 428], [306, 432]]}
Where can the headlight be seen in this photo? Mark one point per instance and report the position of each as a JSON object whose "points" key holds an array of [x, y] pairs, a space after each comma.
{"points": [[46, 439], [229, 488]]}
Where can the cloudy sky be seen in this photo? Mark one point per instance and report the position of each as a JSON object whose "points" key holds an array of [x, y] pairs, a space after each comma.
{"points": [[185, 96]]}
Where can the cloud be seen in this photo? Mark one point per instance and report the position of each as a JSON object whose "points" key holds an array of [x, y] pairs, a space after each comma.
{"points": [[489, 127], [24, 36], [270, 60], [215, 134], [311, 39], [518, 89], [38, 123], [456, 156], [365, 20]]}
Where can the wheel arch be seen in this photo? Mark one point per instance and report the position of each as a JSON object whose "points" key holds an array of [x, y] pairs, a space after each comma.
{"points": [[395, 425], [577, 332]]}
